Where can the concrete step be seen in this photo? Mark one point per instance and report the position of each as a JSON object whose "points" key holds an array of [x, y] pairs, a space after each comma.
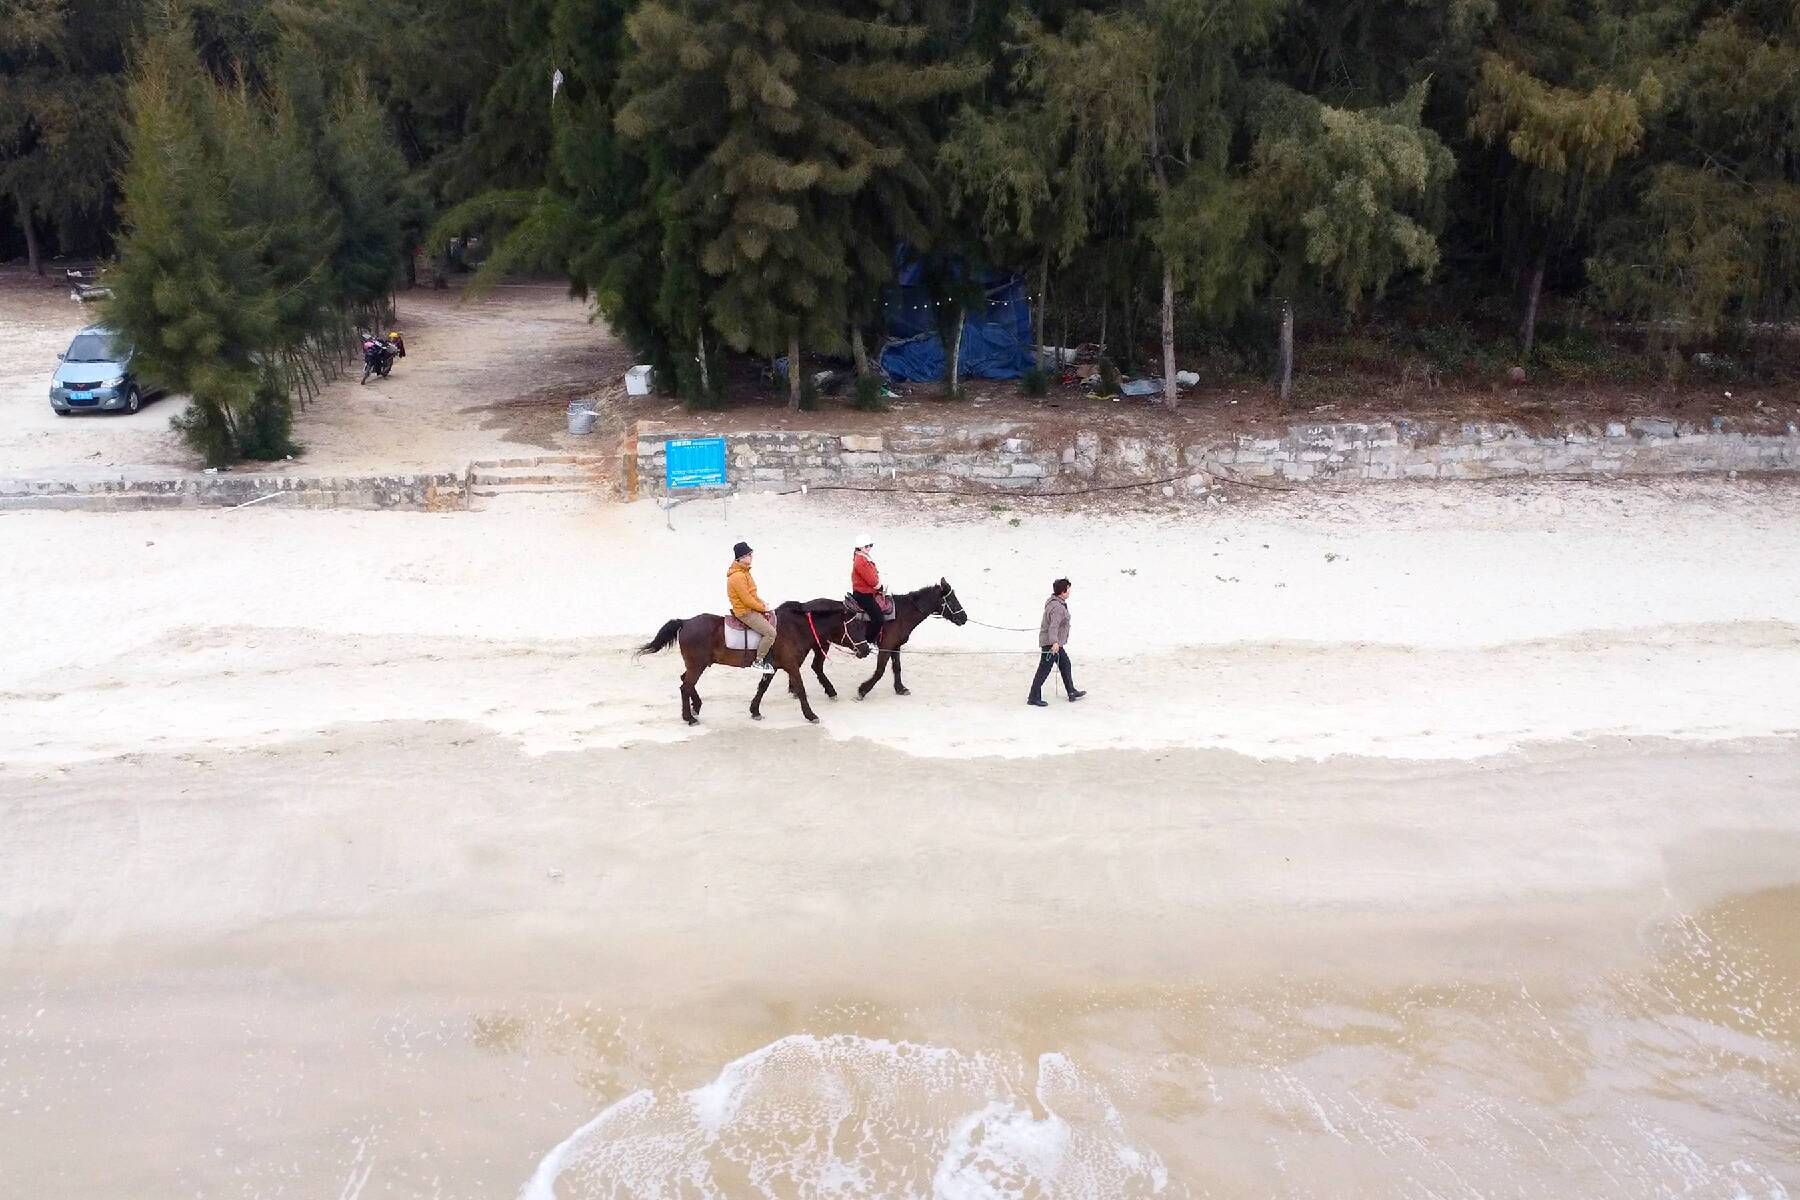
{"points": [[542, 460], [516, 489], [573, 476]]}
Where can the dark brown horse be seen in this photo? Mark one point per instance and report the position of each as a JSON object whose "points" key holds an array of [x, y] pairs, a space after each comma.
{"points": [[800, 629], [910, 611]]}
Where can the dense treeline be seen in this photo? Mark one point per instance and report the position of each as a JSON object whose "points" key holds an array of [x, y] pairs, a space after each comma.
{"points": [[736, 175]]}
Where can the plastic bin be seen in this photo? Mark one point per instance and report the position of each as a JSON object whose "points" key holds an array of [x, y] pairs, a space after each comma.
{"points": [[639, 380]]}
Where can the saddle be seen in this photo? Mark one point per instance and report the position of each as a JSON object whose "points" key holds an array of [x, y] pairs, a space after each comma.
{"points": [[739, 636], [883, 601]]}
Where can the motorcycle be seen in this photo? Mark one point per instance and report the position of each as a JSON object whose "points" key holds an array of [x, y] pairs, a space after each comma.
{"points": [[379, 354]]}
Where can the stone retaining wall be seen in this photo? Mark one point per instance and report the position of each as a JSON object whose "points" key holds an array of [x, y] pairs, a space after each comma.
{"points": [[415, 493], [1020, 457]]}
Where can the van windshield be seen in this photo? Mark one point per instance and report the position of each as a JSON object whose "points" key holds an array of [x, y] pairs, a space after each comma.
{"points": [[93, 348]]}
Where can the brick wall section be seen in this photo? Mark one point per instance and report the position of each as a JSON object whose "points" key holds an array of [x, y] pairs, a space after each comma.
{"points": [[410, 493], [1018, 457]]}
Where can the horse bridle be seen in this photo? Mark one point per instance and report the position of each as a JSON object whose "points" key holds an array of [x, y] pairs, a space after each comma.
{"points": [[851, 644], [949, 598]]}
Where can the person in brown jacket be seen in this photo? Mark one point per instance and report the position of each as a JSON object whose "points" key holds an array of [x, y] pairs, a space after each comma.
{"points": [[747, 606], [1053, 639]]}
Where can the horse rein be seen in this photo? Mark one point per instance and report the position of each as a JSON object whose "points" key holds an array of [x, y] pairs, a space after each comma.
{"points": [[848, 643]]}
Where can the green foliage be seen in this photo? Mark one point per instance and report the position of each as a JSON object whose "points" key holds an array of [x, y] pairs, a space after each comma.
{"points": [[1035, 382], [257, 222], [62, 71], [783, 130], [866, 394], [266, 431], [1347, 194], [738, 176], [189, 292]]}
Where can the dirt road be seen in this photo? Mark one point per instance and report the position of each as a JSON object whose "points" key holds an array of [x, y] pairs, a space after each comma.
{"points": [[483, 378]]}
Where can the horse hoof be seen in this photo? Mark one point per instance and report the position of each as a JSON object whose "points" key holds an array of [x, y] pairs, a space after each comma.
{"points": [[756, 716], [812, 720], [901, 692], [692, 721]]}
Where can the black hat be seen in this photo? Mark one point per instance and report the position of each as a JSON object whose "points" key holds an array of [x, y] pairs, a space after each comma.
{"points": [[741, 549]]}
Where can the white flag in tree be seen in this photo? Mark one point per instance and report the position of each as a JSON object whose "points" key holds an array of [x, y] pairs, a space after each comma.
{"points": [[556, 81]]}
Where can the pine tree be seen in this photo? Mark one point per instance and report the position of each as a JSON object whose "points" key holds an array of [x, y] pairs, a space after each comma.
{"points": [[277, 199], [778, 115], [189, 292], [1713, 238], [1016, 171], [1348, 195], [1567, 103], [62, 73], [363, 173], [1154, 94]]}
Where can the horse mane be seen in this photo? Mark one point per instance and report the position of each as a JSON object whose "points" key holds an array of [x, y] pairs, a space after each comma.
{"points": [[918, 597]]}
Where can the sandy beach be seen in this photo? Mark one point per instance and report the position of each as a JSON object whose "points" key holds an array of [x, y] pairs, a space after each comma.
{"points": [[1412, 842]]}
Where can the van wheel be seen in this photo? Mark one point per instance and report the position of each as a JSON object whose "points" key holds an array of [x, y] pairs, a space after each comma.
{"points": [[134, 400]]}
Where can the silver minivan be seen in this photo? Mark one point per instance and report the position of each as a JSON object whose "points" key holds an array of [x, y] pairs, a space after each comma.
{"points": [[97, 373]]}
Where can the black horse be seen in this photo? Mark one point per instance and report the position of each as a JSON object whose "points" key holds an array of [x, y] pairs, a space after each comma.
{"points": [[910, 611]]}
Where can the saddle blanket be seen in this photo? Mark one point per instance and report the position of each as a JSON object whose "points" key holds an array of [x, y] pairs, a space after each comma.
{"points": [[739, 636]]}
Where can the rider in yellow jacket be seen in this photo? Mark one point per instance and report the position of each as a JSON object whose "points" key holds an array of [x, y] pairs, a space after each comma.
{"points": [[747, 606]]}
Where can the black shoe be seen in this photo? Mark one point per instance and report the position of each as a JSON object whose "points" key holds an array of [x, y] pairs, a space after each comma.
{"points": [[1076, 695], [1036, 703], [768, 668]]}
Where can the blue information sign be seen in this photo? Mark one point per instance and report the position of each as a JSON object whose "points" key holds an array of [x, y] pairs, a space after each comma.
{"points": [[694, 462]]}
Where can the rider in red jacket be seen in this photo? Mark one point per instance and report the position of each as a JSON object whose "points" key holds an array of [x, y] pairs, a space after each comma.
{"points": [[865, 581]]}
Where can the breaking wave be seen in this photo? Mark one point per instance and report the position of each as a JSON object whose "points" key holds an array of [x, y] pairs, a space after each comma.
{"points": [[850, 1116]]}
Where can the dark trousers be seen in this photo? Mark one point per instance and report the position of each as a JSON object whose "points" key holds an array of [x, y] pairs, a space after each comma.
{"points": [[872, 608], [1058, 659]]}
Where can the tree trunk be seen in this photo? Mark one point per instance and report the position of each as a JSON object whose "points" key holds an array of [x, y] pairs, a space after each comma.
{"points": [[1534, 287], [1043, 307], [1285, 370], [705, 379], [859, 351], [33, 254], [794, 371], [1170, 396], [956, 355]]}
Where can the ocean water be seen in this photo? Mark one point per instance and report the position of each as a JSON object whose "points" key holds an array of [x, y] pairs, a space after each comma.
{"points": [[1678, 1078]]}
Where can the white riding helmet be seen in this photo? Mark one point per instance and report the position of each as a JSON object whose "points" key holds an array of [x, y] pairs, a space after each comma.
{"points": [[864, 541]]}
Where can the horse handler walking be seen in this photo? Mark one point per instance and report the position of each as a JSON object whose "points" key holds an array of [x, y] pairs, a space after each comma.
{"points": [[1053, 638]]}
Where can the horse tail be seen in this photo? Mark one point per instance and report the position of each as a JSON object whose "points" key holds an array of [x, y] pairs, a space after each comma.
{"points": [[664, 636]]}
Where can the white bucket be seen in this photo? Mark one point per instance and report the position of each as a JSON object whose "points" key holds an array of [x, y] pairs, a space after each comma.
{"points": [[639, 380], [581, 417]]}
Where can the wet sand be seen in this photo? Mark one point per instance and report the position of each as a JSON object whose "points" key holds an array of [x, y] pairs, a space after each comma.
{"points": [[415, 958]]}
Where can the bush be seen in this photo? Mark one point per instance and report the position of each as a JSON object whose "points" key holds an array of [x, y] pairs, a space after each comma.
{"points": [[1036, 382], [865, 394], [268, 424], [204, 428]]}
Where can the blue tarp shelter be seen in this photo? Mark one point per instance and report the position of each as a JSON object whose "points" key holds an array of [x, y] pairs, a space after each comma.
{"points": [[996, 340]]}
